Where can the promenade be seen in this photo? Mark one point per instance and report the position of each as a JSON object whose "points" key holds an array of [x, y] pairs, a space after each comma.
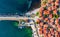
{"points": [[14, 18], [34, 29]]}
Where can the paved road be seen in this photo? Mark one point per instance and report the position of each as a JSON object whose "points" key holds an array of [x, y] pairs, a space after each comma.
{"points": [[14, 18]]}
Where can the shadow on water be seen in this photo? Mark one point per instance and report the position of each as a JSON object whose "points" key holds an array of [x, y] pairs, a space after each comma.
{"points": [[10, 29]]}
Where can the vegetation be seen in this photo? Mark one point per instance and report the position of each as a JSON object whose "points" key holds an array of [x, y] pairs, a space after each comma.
{"points": [[22, 20], [36, 22], [55, 16], [28, 30], [37, 14], [45, 16], [15, 23], [24, 32]]}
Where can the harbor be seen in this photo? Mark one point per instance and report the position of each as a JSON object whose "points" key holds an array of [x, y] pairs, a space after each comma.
{"points": [[29, 24], [40, 22], [12, 30]]}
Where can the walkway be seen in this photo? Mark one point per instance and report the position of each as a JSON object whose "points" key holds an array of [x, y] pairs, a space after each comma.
{"points": [[14, 18]]}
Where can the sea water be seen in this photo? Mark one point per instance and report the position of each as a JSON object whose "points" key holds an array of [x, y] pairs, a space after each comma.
{"points": [[10, 29], [14, 7]]}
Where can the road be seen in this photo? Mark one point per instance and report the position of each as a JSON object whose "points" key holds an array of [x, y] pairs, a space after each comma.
{"points": [[14, 18], [34, 28]]}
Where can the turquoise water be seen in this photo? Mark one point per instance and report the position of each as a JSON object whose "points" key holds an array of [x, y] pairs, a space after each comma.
{"points": [[10, 29]]}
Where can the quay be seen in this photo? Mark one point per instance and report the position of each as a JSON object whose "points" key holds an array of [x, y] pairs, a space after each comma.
{"points": [[33, 26]]}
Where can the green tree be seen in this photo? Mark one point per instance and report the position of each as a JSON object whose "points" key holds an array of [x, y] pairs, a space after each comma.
{"points": [[37, 14]]}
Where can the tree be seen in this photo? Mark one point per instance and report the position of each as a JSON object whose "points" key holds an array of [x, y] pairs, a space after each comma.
{"points": [[37, 14]]}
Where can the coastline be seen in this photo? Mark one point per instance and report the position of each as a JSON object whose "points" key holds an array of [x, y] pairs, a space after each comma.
{"points": [[9, 29]]}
